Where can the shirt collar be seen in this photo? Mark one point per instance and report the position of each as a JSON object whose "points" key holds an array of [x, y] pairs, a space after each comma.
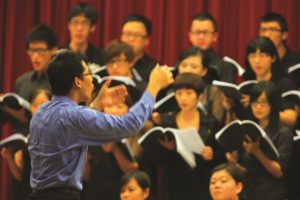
{"points": [[64, 99], [35, 75]]}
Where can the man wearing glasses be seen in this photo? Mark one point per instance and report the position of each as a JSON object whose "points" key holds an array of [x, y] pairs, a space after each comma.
{"points": [[275, 27], [203, 34], [41, 43], [136, 31], [62, 130], [82, 20]]}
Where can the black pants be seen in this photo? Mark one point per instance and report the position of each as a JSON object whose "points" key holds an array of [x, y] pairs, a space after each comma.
{"points": [[58, 193]]}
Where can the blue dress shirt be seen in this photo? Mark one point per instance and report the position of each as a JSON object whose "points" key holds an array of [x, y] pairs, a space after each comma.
{"points": [[61, 131]]}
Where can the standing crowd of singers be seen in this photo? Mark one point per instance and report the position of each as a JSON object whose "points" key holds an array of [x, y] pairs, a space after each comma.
{"points": [[161, 173]]}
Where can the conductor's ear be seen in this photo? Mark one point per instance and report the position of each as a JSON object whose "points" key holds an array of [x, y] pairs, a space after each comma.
{"points": [[77, 82]]}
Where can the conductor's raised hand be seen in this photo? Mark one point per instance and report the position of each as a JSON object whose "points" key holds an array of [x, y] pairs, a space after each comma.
{"points": [[108, 96], [160, 78]]}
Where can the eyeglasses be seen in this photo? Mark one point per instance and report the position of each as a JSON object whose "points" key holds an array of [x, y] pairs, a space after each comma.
{"points": [[117, 62], [270, 30], [204, 33], [82, 23], [37, 51], [134, 35], [263, 103], [87, 74], [253, 56]]}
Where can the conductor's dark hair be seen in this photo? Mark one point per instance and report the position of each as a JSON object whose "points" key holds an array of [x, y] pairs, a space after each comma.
{"points": [[275, 17], [142, 19], [85, 9], [203, 17], [42, 33], [189, 81], [62, 70]]}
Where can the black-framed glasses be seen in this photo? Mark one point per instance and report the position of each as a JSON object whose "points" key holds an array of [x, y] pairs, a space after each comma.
{"points": [[133, 35], [204, 32], [87, 74], [37, 51], [270, 30], [85, 23], [262, 103]]}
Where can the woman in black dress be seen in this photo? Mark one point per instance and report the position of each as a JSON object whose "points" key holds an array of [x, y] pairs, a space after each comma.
{"points": [[181, 181], [265, 170]]}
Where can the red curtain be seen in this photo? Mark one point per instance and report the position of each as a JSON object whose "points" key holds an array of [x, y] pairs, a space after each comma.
{"points": [[237, 23]]}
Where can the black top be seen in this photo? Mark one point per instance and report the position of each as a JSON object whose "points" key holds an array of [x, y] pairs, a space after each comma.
{"points": [[93, 55], [22, 189], [25, 86], [262, 185], [181, 181], [105, 175], [289, 59], [143, 67], [29, 82], [227, 72]]}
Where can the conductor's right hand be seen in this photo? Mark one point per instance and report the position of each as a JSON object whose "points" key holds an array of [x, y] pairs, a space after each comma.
{"points": [[160, 78]]}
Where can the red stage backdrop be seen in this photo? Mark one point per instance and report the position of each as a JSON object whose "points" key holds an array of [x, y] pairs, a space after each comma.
{"points": [[237, 23]]}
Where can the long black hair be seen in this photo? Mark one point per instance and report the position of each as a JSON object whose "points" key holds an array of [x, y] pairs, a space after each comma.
{"points": [[265, 45], [273, 98]]}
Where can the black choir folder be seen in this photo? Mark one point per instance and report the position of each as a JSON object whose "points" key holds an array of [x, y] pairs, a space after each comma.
{"points": [[188, 141], [294, 73], [126, 149], [232, 136], [292, 96], [17, 141], [14, 101], [233, 91]]}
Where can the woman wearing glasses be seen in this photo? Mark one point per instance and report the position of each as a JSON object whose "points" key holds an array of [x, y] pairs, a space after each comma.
{"points": [[265, 170]]}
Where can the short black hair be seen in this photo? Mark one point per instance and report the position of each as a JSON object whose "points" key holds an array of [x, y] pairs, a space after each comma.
{"points": [[190, 81], [142, 19], [116, 48], [62, 70], [265, 45], [142, 178], [203, 17], [236, 174], [272, 16], [85, 9], [273, 98], [42, 33]]}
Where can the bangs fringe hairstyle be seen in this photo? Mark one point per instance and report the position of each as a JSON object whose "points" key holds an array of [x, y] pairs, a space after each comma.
{"points": [[211, 74], [189, 81], [115, 48], [265, 45]]}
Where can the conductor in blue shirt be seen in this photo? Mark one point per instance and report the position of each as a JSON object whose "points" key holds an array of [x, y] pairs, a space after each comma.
{"points": [[61, 130]]}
